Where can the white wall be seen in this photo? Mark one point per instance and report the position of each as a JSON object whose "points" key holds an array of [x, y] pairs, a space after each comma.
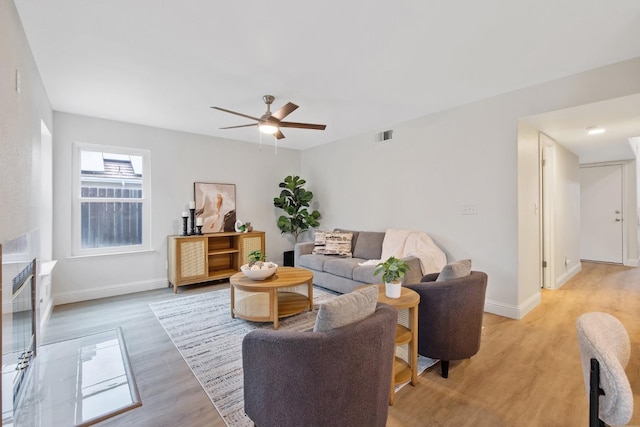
{"points": [[566, 215], [631, 223], [529, 215], [178, 160], [21, 115], [422, 178], [466, 155], [23, 158], [20, 123]]}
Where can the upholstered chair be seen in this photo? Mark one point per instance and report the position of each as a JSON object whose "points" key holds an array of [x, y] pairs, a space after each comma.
{"points": [[450, 317], [340, 377], [604, 352]]}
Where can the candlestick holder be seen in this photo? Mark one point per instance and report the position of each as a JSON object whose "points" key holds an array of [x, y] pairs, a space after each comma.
{"points": [[184, 226], [199, 232], [192, 214]]}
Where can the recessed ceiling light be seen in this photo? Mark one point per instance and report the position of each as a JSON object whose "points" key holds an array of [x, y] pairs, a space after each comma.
{"points": [[595, 130]]}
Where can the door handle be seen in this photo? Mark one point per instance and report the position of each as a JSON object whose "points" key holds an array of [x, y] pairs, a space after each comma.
{"points": [[617, 211], [618, 220]]}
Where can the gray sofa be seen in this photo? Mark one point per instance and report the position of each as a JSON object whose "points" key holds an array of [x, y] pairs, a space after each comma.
{"points": [[344, 274]]}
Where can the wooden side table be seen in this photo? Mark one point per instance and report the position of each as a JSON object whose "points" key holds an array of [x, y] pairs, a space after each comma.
{"points": [[402, 371]]}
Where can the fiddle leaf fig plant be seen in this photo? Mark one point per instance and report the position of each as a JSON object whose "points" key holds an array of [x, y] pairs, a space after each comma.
{"points": [[295, 202], [393, 269]]}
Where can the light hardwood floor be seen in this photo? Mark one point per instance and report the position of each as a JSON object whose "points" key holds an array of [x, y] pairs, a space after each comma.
{"points": [[527, 372]]}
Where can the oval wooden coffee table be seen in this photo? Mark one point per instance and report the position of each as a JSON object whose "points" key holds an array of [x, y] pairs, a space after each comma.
{"points": [[265, 300]]}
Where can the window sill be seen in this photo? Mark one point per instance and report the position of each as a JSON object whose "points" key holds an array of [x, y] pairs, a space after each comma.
{"points": [[87, 256]]}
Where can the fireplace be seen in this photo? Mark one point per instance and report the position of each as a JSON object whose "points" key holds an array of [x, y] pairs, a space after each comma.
{"points": [[23, 325], [19, 315]]}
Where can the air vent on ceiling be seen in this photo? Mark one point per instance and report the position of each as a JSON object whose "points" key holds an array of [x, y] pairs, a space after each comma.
{"points": [[384, 136]]}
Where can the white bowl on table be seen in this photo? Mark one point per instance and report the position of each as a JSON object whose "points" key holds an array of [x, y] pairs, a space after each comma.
{"points": [[266, 270]]}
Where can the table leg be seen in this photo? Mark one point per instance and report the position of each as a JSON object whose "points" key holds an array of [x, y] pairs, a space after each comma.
{"points": [[310, 294], [273, 295], [392, 392], [233, 300], [413, 345]]}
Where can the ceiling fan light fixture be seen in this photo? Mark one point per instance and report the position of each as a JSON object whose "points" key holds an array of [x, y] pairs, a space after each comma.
{"points": [[272, 123], [595, 130], [268, 129]]}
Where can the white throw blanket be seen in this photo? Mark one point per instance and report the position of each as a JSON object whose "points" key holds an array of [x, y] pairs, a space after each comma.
{"points": [[403, 243]]}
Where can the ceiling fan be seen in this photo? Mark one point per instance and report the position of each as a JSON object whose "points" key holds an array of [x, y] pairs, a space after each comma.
{"points": [[272, 122]]}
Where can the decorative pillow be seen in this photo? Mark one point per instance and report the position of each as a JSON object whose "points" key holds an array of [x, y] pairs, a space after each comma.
{"points": [[320, 241], [337, 244], [354, 237], [455, 270], [346, 309]]}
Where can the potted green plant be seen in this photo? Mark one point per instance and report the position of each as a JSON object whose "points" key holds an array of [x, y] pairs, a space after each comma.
{"points": [[295, 200], [255, 256], [393, 270], [258, 267]]}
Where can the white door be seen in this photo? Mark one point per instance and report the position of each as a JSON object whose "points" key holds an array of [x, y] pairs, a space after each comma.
{"points": [[601, 213]]}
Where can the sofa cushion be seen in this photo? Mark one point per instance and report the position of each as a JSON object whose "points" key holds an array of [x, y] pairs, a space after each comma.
{"points": [[337, 244], [364, 273], [346, 309], [354, 237], [342, 267], [314, 262], [369, 245], [455, 270]]}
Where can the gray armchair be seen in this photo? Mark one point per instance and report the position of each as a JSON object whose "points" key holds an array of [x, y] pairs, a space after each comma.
{"points": [[450, 317], [605, 350], [337, 378]]}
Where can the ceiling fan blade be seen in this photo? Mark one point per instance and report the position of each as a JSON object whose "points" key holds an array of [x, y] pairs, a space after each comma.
{"points": [[279, 134], [240, 126], [302, 125], [237, 114], [285, 111]]}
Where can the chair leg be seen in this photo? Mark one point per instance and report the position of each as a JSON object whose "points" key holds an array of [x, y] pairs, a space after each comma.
{"points": [[594, 395], [444, 366]]}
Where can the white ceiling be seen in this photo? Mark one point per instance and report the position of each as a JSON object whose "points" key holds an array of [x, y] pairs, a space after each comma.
{"points": [[355, 66], [619, 117]]}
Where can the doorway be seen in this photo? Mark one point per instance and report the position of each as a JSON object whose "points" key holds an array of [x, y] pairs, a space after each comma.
{"points": [[601, 200], [547, 159]]}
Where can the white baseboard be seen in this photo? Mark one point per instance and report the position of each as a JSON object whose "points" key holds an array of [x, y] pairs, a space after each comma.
{"points": [[109, 291], [513, 311], [568, 275], [44, 318], [631, 263]]}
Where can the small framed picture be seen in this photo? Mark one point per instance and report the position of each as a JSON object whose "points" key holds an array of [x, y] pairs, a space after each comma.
{"points": [[216, 205]]}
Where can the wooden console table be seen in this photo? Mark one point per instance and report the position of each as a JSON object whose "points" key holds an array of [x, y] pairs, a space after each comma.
{"points": [[207, 257]]}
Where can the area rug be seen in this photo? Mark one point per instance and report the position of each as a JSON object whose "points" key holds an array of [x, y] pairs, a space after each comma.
{"points": [[210, 341]]}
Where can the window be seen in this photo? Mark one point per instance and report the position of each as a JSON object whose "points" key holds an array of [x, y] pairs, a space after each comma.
{"points": [[111, 208]]}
